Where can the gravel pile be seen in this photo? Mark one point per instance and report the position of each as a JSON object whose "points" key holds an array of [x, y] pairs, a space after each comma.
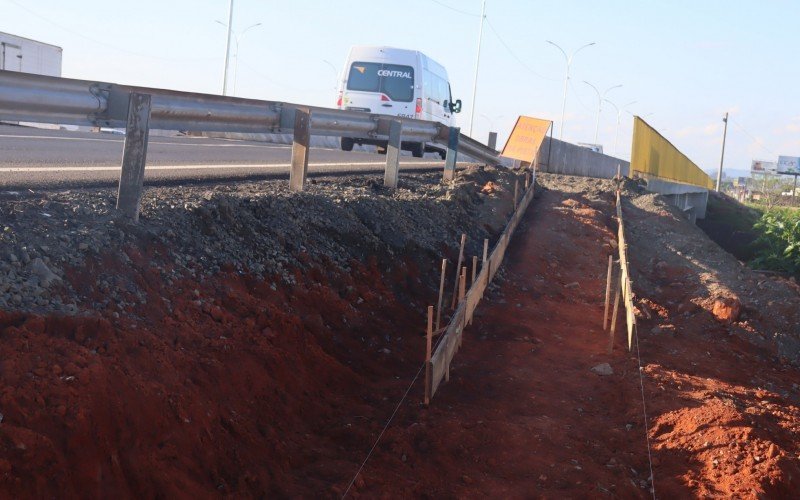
{"points": [[54, 247]]}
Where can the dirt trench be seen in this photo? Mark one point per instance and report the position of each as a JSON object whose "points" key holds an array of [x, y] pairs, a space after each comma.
{"points": [[526, 415], [237, 385]]}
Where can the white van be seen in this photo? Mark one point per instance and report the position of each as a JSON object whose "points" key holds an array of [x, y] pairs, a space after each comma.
{"points": [[396, 82]]}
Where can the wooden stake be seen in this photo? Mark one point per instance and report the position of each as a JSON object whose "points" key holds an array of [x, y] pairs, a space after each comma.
{"points": [[474, 275], [458, 266], [474, 269], [428, 347], [516, 193], [462, 284], [485, 250], [462, 292], [617, 294], [608, 291], [441, 295]]}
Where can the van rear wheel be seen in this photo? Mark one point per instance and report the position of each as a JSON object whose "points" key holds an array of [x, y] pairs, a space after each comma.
{"points": [[418, 150], [347, 144]]}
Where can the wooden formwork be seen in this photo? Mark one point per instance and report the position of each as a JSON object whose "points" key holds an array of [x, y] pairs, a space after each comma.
{"points": [[625, 276], [439, 363]]}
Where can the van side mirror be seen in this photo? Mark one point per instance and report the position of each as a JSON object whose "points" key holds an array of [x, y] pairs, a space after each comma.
{"points": [[455, 107]]}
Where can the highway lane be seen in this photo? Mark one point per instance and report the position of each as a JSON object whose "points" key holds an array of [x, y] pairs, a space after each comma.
{"points": [[38, 158]]}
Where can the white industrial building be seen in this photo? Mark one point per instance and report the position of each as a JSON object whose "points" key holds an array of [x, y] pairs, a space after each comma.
{"points": [[29, 56]]}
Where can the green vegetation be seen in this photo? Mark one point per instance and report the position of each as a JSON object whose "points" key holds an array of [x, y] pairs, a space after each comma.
{"points": [[779, 241], [731, 225]]}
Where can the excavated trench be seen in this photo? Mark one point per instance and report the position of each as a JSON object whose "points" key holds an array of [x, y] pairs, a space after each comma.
{"points": [[250, 342]]}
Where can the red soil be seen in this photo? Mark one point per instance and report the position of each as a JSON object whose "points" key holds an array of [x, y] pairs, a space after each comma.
{"points": [[243, 390], [523, 415]]}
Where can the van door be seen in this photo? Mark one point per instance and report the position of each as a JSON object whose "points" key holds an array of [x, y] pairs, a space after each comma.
{"points": [[381, 88], [437, 98]]}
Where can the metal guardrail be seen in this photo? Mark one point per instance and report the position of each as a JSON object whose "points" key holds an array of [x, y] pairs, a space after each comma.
{"points": [[46, 99]]}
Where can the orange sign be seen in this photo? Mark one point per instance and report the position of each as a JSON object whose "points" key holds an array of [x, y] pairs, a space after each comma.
{"points": [[526, 138]]}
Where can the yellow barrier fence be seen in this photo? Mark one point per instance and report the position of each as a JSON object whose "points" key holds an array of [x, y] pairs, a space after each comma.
{"points": [[655, 156]]}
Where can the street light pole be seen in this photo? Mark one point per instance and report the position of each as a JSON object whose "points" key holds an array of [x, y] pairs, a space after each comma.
{"points": [[335, 74], [477, 65], [722, 156], [236, 38], [227, 50], [600, 99], [568, 60], [619, 119], [236, 64]]}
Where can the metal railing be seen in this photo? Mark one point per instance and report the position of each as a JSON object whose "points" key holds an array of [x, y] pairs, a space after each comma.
{"points": [[44, 99]]}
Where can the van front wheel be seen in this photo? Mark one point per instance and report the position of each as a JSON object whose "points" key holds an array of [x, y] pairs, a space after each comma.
{"points": [[418, 150], [347, 144]]}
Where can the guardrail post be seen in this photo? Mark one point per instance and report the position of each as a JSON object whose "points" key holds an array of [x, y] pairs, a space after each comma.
{"points": [[300, 148], [452, 153], [492, 140], [393, 154], [134, 156]]}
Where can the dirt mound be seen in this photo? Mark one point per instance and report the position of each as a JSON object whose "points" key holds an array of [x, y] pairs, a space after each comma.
{"points": [[240, 340]]}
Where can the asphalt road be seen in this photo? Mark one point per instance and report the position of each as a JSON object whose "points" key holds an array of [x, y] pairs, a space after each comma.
{"points": [[36, 158]]}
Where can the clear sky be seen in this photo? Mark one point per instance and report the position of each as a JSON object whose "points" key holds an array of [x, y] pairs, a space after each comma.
{"points": [[685, 63]]}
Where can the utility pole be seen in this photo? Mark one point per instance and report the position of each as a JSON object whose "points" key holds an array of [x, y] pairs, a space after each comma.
{"points": [[477, 64], [722, 156], [227, 49]]}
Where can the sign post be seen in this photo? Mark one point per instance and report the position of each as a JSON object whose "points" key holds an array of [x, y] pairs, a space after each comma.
{"points": [[790, 165], [526, 138]]}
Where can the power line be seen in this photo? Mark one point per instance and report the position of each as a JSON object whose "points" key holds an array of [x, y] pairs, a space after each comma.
{"points": [[758, 142], [280, 84], [100, 42], [577, 96], [437, 2], [513, 54]]}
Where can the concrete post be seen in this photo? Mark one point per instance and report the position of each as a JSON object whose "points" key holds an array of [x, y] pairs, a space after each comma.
{"points": [[492, 140], [393, 154], [300, 148], [452, 154], [134, 156]]}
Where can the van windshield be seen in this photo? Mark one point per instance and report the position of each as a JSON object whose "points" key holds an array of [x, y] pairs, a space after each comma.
{"points": [[394, 80]]}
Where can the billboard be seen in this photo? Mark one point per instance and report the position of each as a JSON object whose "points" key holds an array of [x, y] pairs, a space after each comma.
{"points": [[789, 165], [764, 167], [653, 155], [526, 138]]}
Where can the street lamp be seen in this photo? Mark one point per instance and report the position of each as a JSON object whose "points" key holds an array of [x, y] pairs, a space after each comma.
{"points": [[335, 74], [477, 66], [568, 59], [619, 118], [236, 37], [600, 99], [491, 121], [227, 49]]}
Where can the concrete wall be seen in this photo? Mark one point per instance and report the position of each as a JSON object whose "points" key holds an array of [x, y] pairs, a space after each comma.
{"points": [[559, 157], [693, 200]]}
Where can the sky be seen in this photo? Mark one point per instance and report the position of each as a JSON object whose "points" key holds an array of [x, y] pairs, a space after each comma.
{"points": [[684, 63]]}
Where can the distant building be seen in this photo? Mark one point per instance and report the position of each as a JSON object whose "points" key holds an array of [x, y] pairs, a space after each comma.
{"points": [[29, 56]]}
